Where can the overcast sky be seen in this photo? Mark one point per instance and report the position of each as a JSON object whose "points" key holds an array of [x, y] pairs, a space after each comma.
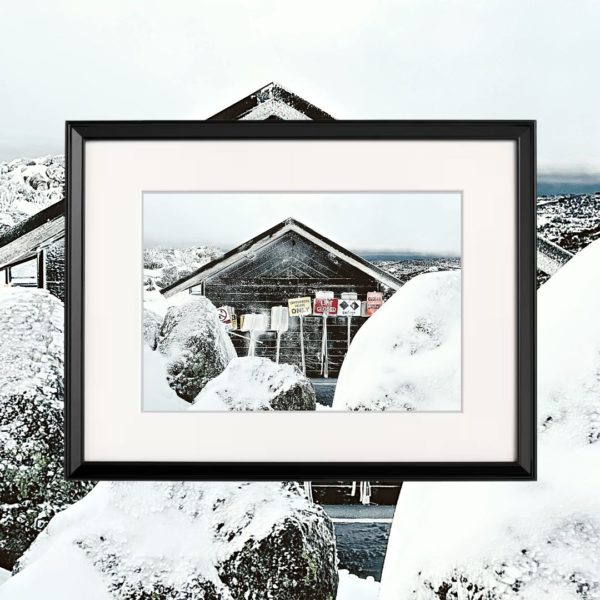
{"points": [[406, 59], [425, 223]]}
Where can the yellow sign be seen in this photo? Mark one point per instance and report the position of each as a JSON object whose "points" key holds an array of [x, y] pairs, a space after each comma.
{"points": [[298, 307]]}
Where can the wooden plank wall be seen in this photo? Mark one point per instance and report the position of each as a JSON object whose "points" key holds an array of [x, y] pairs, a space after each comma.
{"points": [[289, 268]]}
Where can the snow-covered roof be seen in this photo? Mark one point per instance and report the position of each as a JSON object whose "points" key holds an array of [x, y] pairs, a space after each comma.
{"points": [[272, 102], [551, 256], [267, 237], [23, 240]]}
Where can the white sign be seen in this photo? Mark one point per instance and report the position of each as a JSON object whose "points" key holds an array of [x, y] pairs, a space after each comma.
{"points": [[349, 308], [349, 296], [280, 318], [254, 322], [324, 295], [226, 316], [299, 307]]}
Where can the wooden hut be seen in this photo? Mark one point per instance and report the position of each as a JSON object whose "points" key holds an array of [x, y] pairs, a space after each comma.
{"points": [[290, 260]]}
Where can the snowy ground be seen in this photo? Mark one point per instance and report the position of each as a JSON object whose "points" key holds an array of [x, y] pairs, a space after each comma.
{"points": [[352, 587]]}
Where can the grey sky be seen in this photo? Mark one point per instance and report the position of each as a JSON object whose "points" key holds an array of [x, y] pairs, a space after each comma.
{"points": [[426, 223], [182, 59]]}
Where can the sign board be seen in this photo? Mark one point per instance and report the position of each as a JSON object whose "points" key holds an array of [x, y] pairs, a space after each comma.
{"points": [[374, 302], [349, 296], [226, 315], [298, 307], [324, 295], [280, 318], [326, 306], [349, 308], [254, 322]]}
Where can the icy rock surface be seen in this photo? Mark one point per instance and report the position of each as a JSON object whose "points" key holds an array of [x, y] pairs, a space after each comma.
{"points": [[196, 345], [32, 488], [407, 355], [183, 541], [525, 541], [28, 186], [253, 383], [152, 324]]}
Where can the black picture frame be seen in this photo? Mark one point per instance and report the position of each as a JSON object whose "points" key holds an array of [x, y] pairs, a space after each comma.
{"points": [[521, 132]]}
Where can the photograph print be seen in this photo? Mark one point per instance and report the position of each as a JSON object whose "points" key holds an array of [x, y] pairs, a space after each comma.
{"points": [[301, 301]]}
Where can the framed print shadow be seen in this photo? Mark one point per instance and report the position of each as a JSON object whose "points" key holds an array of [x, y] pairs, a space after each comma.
{"points": [[310, 300]]}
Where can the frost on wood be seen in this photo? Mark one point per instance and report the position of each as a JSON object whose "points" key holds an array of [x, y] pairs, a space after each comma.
{"points": [[28, 186], [253, 383], [184, 541], [196, 346], [521, 541], [32, 488], [407, 355]]}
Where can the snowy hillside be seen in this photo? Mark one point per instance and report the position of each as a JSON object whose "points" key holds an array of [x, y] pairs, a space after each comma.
{"points": [[164, 266], [570, 220], [28, 186], [407, 355], [525, 541]]}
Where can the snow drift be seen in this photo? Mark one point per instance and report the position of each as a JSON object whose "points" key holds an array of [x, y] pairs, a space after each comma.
{"points": [[521, 541], [184, 541], [253, 383], [196, 345], [407, 355], [32, 488]]}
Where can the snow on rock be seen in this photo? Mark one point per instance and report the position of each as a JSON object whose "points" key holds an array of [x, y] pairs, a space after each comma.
{"points": [[164, 266], [407, 356], [183, 541], [196, 345], [32, 488], [158, 394], [28, 186], [152, 323], [525, 541], [253, 383]]}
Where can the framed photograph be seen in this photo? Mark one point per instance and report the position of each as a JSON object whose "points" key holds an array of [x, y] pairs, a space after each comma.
{"points": [[301, 300]]}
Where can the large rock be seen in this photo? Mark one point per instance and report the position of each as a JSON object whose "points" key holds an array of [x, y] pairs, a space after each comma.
{"points": [[523, 540], [253, 383], [407, 356], [32, 488], [183, 541], [196, 345]]}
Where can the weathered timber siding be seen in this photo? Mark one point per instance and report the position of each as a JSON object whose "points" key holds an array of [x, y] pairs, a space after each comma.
{"points": [[288, 268], [55, 269]]}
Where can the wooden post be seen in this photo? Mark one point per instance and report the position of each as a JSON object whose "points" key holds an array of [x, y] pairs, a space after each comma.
{"points": [[278, 344], [324, 355], [349, 327], [302, 344]]}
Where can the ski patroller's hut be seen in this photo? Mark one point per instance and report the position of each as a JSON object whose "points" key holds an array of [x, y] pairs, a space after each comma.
{"points": [[290, 260]]}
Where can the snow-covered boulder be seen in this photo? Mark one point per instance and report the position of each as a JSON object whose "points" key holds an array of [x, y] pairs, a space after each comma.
{"points": [[152, 324], [407, 355], [525, 541], [28, 186], [253, 383], [196, 345], [183, 541], [32, 488]]}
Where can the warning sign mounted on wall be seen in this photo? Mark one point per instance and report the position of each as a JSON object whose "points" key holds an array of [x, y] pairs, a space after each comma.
{"points": [[349, 305]]}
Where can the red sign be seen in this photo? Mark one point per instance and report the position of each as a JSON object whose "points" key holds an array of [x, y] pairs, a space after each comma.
{"points": [[326, 306], [374, 302]]}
